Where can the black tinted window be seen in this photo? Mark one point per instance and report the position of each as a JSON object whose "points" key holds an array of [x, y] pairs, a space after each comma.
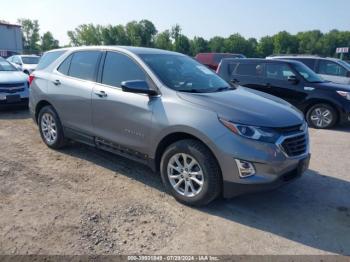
{"points": [[64, 67], [84, 64], [119, 68], [308, 62], [48, 58], [251, 69], [278, 71]]}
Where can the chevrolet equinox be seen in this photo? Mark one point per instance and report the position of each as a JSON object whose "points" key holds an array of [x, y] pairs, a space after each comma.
{"points": [[166, 110]]}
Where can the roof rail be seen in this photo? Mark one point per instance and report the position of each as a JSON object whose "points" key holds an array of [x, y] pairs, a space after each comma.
{"points": [[294, 55]]}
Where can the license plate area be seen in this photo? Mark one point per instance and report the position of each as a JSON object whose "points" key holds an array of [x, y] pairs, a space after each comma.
{"points": [[13, 98]]}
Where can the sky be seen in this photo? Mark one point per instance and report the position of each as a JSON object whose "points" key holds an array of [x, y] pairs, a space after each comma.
{"points": [[206, 18]]}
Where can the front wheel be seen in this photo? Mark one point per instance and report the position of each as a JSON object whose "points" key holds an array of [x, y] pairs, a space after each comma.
{"points": [[321, 116], [190, 173]]}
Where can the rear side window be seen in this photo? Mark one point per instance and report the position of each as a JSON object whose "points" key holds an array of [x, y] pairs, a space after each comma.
{"points": [[250, 69], [64, 67], [331, 68], [48, 58], [84, 65], [278, 71], [119, 68], [308, 62]]}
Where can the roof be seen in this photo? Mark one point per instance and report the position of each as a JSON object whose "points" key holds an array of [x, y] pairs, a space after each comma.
{"points": [[262, 60], [9, 24]]}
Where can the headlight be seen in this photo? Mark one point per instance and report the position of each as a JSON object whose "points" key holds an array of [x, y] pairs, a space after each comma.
{"points": [[344, 94], [252, 132]]}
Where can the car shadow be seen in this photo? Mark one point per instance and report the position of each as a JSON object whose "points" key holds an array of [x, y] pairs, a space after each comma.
{"points": [[313, 211], [14, 112]]}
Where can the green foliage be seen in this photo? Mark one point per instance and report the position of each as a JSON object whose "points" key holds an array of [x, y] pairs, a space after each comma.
{"points": [[31, 36], [48, 42], [163, 41]]}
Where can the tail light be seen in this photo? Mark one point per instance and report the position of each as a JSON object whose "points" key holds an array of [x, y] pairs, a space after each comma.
{"points": [[31, 78]]}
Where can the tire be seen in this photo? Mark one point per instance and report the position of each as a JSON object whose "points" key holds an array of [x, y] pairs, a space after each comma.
{"points": [[199, 161], [48, 114], [321, 116]]}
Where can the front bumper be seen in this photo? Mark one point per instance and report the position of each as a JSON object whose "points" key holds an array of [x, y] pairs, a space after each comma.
{"points": [[273, 167], [231, 189]]}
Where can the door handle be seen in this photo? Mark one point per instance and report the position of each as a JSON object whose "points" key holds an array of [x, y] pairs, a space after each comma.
{"points": [[100, 93], [57, 82]]}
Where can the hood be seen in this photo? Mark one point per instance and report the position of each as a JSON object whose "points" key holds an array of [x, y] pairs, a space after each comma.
{"points": [[13, 77], [30, 66], [249, 107], [332, 86]]}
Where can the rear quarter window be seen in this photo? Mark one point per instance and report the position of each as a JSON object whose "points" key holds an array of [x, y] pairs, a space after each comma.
{"points": [[84, 65], [48, 58]]}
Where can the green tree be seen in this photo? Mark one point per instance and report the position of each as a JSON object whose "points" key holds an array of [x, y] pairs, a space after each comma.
{"points": [[265, 46], [86, 34], [31, 36], [181, 42], [163, 40], [198, 45], [148, 33], [309, 42], [217, 44], [48, 42], [238, 44], [285, 43], [114, 35]]}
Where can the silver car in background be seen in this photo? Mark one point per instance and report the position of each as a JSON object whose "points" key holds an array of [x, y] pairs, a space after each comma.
{"points": [[166, 110], [14, 87]]}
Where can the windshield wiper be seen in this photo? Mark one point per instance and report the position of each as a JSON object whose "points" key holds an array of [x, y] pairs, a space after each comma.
{"points": [[190, 90], [220, 89]]}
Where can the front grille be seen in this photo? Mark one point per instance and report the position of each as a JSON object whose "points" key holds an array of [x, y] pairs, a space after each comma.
{"points": [[290, 129], [295, 146], [11, 91], [11, 88], [7, 85]]}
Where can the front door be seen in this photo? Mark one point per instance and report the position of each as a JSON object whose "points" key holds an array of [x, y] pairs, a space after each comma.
{"points": [[122, 118]]}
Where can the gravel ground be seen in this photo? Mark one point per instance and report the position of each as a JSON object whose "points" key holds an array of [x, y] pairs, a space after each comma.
{"points": [[84, 201]]}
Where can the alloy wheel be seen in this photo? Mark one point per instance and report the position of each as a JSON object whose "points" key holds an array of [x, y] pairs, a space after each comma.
{"points": [[49, 128], [321, 117], [185, 175]]}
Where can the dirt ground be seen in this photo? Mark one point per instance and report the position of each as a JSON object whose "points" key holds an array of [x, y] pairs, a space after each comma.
{"points": [[84, 201]]}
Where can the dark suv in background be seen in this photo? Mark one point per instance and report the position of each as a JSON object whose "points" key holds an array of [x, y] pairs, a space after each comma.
{"points": [[324, 103], [212, 60]]}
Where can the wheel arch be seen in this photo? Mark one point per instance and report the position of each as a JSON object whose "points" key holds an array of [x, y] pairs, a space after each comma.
{"points": [[39, 106], [171, 138]]}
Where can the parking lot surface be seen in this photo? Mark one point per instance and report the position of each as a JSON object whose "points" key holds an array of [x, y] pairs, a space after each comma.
{"points": [[84, 201]]}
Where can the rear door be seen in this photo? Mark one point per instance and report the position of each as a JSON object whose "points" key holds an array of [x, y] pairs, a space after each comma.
{"points": [[122, 118], [71, 87], [277, 83], [249, 74]]}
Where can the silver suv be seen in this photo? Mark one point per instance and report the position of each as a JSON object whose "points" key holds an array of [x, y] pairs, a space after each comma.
{"points": [[164, 109]]}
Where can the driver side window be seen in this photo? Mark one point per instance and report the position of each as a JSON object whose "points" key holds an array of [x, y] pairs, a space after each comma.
{"points": [[119, 68], [278, 71]]}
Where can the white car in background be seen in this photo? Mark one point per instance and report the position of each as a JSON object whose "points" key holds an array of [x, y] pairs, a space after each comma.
{"points": [[25, 63]]}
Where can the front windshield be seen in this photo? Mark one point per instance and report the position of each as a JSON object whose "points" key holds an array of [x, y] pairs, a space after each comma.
{"points": [[183, 73], [308, 74], [30, 60], [6, 66]]}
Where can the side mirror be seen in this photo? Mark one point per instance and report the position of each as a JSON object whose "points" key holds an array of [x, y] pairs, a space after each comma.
{"points": [[138, 87], [293, 79]]}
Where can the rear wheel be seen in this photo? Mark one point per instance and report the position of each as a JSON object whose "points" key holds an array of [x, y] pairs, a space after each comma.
{"points": [[50, 127], [321, 116], [190, 173]]}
